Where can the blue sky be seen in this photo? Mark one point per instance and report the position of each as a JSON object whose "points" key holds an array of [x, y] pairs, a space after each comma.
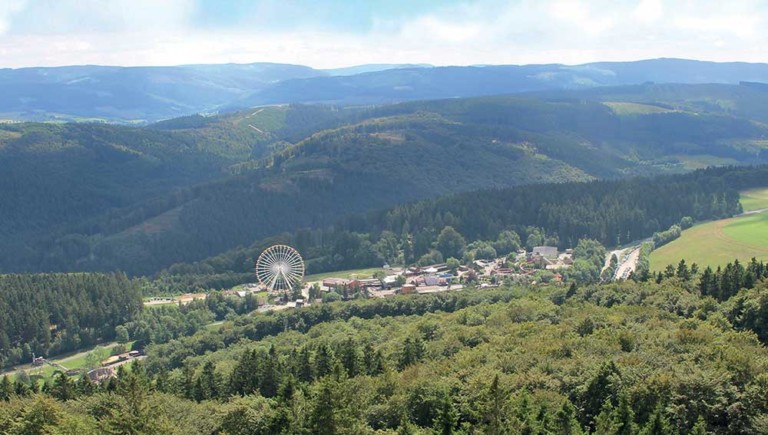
{"points": [[335, 33]]}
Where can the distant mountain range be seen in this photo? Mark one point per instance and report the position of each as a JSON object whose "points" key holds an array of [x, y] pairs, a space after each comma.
{"points": [[147, 94]]}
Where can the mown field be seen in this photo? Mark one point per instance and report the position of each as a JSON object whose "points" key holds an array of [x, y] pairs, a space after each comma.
{"points": [[754, 199], [347, 274], [719, 242]]}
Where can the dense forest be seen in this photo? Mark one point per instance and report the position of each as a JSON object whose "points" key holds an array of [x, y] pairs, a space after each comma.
{"points": [[611, 212], [62, 182], [47, 314], [655, 358], [102, 198]]}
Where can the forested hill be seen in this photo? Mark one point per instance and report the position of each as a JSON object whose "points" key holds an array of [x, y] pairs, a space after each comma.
{"points": [[408, 84], [55, 178], [621, 358], [132, 94], [374, 158], [745, 100], [148, 94], [497, 220]]}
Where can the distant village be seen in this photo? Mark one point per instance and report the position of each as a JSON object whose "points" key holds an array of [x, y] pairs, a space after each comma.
{"points": [[443, 277], [541, 264]]}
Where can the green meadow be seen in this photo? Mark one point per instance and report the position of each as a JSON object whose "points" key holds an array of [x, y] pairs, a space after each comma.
{"points": [[719, 242]]}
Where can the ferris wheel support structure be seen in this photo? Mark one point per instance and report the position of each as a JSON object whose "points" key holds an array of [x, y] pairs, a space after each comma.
{"points": [[280, 268]]}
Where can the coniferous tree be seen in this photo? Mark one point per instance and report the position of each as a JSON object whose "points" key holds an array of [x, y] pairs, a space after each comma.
{"points": [[324, 361], [207, 384], [565, 420], [601, 388], [447, 418], [268, 374], [63, 388], [604, 422], [682, 271], [624, 416], [700, 428], [6, 388], [494, 408], [349, 357], [657, 424], [305, 365], [322, 419]]}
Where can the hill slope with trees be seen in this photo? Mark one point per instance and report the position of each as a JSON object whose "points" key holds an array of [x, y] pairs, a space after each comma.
{"points": [[499, 220], [309, 167], [657, 358]]}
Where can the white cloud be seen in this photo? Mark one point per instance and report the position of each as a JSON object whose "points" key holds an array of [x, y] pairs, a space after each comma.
{"points": [[145, 32], [7, 9], [649, 11], [98, 16]]}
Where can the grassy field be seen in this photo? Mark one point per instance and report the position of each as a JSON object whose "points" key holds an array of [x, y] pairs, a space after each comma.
{"points": [[622, 108], [354, 273], [719, 242], [691, 163], [754, 199], [77, 360]]}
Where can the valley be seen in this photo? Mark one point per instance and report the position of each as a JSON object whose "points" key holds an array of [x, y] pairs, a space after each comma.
{"points": [[187, 189], [477, 249]]}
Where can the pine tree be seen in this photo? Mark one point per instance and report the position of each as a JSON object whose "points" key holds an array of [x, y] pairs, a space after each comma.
{"points": [[63, 388], [700, 428], [207, 385], [322, 419], [604, 423], [6, 388], [565, 420], [406, 355], [305, 365], [377, 366], [624, 416], [600, 389], [187, 382], [706, 283], [84, 386], [494, 408], [161, 381], [447, 418], [349, 357], [323, 361], [682, 271], [268, 374], [657, 424], [572, 290]]}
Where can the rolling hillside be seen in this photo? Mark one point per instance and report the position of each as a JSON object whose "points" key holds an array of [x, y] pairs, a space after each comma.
{"points": [[148, 94], [406, 84], [374, 158], [56, 179], [745, 99]]}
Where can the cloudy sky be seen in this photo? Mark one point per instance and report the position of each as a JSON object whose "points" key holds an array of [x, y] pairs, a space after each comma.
{"points": [[334, 33]]}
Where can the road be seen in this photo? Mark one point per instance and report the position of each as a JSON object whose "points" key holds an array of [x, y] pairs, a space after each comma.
{"points": [[618, 253], [628, 264], [63, 361], [747, 213]]}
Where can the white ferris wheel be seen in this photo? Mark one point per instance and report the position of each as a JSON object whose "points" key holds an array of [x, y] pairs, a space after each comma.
{"points": [[280, 268]]}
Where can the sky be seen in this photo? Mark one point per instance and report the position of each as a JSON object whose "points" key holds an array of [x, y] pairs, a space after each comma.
{"points": [[337, 33]]}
